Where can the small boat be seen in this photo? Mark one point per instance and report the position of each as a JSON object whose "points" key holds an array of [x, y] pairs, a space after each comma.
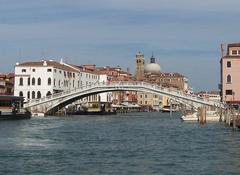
{"points": [[168, 109], [94, 108], [190, 117], [11, 108], [211, 116]]}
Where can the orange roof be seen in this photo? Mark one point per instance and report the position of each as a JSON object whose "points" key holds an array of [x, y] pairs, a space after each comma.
{"points": [[50, 63]]}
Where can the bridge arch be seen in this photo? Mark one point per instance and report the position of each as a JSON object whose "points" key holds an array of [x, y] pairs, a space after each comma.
{"points": [[56, 101]]}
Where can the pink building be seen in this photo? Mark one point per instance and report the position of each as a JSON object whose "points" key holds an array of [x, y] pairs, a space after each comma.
{"points": [[230, 74]]}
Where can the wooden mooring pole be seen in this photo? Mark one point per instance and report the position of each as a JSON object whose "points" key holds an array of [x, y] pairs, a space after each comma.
{"points": [[202, 115]]}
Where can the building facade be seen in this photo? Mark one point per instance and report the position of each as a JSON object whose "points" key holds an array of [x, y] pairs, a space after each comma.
{"points": [[154, 75], [117, 74], [7, 84], [139, 66], [46, 77], [230, 71]]}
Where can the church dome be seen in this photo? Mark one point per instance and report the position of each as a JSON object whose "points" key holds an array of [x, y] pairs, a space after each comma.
{"points": [[152, 67]]}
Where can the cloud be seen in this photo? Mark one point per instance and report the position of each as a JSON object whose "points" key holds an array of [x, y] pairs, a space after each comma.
{"points": [[182, 34]]}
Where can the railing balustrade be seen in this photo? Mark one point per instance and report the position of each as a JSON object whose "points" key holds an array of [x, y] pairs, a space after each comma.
{"points": [[123, 84]]}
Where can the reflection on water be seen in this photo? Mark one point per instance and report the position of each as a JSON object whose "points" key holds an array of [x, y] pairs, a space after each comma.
{"points": [[135, 143]]}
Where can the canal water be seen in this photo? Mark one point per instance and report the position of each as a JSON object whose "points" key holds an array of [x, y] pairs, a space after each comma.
{"points": [[125, 144]]}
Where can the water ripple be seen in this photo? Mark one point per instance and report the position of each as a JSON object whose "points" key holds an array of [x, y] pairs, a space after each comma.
{"points": [[141, 143]]}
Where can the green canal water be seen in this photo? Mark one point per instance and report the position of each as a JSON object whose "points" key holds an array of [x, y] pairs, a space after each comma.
{"points": [[124, 144]]}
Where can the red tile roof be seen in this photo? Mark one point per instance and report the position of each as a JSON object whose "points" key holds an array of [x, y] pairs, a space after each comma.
{"points": [[50, 63]]}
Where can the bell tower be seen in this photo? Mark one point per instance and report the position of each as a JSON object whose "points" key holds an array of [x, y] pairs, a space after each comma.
{"points": [[139, 66]]}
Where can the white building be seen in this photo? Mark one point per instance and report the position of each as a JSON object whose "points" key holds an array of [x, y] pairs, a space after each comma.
{"points": [[42, 78]]}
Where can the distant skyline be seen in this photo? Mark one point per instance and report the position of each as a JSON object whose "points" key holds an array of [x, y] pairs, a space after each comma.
{"points": [[185, 36]]}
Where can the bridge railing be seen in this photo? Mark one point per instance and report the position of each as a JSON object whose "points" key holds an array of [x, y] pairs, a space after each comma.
{"points": [[120, 84]]}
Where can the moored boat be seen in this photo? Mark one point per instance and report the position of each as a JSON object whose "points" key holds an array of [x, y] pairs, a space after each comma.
{"points": [[168, 109], [93, 108], [11, 108], [211, 116]]}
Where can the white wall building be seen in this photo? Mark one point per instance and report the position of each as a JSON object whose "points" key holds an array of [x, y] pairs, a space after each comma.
{"points": [[42, 78]]}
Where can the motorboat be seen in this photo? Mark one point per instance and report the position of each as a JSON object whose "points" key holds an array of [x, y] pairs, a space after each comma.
{"points": [[168, 109], [11, 108], [190, 117]]}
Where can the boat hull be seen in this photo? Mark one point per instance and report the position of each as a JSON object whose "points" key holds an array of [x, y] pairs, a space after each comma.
{"points": [[15, 116], [93, 113]]}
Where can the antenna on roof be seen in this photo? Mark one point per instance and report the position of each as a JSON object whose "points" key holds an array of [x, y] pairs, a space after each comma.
{"points": [[19, 55], [61, 61], [43, 55], [222, 50]]}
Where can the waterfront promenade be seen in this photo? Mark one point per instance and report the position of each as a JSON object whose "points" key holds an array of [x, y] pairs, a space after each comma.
{"points": [[134, 143]]}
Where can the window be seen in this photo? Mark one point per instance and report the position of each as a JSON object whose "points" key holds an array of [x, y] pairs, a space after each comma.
{"points": [[54, 82], [29, 82], [34, 70], [229, 64], [49, 70], [145, 96], [28, 94], [229, 79], [23, 70], [21, 94], [21, 82], [33, 81], [229, 92], [59, 83], [49, 93], [38, 94], [55, 70], [39, 81], [234, 52], [33, 94], [49, 81], [145, 102]]}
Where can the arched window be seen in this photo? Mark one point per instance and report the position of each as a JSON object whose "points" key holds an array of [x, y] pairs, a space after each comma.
{"points": [[229, 79], [21, 82], [33, 94], [33, 81], [21, 94], [39, 81], [29, 81], [38, 94], [49, 93], [49, 81], [28, 94]]}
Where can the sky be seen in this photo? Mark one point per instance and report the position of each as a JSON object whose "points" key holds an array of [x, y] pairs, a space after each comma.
{"points": [[185, 36]]}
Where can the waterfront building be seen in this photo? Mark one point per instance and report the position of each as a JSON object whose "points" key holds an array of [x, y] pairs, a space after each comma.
{"points": [[139, 66], [37, 79], [6, 83], [210, 95], [230, 70], [153, 74], [118, 74]]}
